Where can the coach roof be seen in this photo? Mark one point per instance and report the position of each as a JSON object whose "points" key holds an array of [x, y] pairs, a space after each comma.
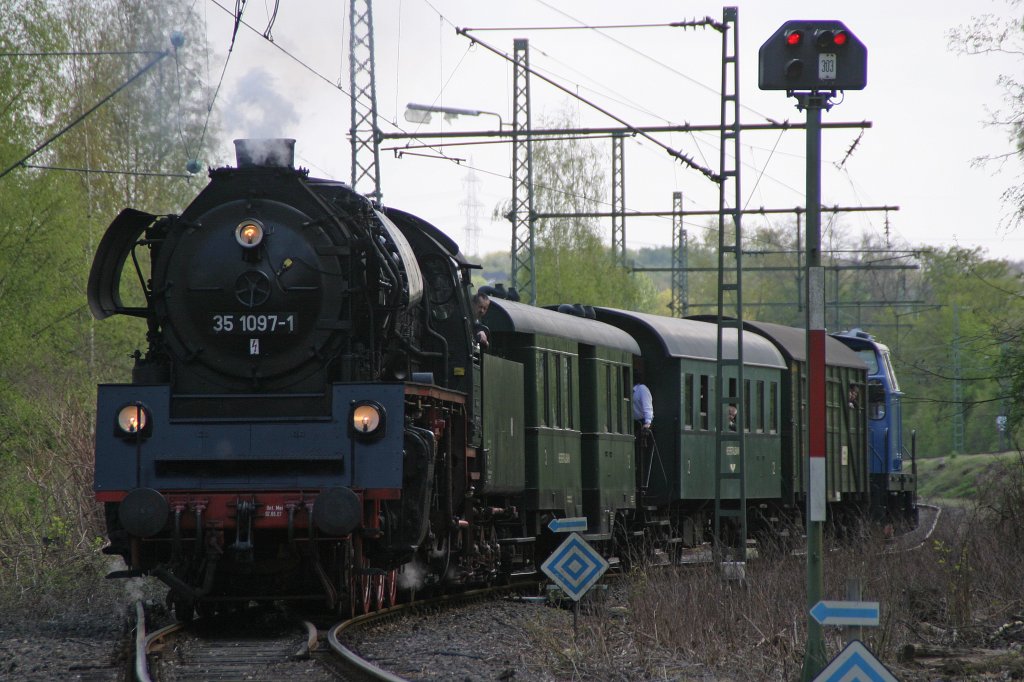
{"points": [[691, 338], [504, 315]]}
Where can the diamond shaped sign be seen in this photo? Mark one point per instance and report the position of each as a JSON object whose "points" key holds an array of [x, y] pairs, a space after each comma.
{"points": [[855, 663], [575, 566]]}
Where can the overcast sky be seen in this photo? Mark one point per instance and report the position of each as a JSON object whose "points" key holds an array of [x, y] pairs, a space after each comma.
{"points": [[928, 107]]}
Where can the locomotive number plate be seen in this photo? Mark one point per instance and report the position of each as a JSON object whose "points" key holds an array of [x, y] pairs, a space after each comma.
{"points": [[253, 323]]}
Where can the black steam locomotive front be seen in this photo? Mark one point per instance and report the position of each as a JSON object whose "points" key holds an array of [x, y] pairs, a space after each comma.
{"points": [[257, 423]]}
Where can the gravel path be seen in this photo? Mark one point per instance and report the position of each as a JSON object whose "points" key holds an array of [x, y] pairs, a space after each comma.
{"points": [[484, 641], [88, 644], [513, 640]]}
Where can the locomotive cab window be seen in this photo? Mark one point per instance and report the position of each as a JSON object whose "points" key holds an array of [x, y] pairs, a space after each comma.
{"points": [[890, 373], [876, 399], [870, 359]]}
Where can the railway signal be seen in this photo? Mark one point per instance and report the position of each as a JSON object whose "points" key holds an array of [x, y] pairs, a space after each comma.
{"points": [[811, 60], [813, 55]]}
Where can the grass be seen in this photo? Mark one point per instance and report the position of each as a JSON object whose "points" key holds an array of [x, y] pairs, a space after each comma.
{"points": [[954, 479]]}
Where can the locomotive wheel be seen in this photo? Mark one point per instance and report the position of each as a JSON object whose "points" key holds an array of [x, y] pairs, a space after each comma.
{"points": [[184, 609], [391, 587], [378, 583], [364, 595]]}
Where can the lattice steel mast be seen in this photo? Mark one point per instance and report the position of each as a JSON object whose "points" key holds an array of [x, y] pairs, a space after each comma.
{"points": [[730, 457], [522, 214], [362, 82]]}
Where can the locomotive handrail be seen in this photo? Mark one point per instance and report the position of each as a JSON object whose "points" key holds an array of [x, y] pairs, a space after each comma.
{"points": [[913, 452], [886, 456]]}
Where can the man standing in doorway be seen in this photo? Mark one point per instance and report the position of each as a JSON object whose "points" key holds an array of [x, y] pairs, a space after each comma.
{"points": [[643, 417]]}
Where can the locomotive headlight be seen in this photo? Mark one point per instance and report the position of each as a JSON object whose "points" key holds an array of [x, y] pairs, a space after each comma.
{"points": [[133, 420], [249, 234], [367, 420]]}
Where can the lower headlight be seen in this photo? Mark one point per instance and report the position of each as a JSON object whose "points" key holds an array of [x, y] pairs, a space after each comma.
{"points": [[367, 419], [132, 419]]}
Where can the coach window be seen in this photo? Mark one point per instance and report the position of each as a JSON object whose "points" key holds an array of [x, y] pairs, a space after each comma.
{"points": [[545, 417], [571, 393], [747, 411], [773, 407], [559, 420], [608, 394], [688, 402], [704, 402], [759, 410], [625, 411], [625, 388]]}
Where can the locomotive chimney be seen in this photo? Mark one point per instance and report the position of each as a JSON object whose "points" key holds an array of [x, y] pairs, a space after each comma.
{"points": [[278, 152]]}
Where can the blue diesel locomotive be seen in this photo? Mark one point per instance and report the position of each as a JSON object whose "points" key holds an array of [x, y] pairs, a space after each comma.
{"points": [[893, 479]]}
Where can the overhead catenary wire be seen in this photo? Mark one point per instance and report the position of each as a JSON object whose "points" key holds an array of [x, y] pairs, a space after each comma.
{"points": [[153, 62], [642, 54], [707, 172], [707, 21], [104, 171]]}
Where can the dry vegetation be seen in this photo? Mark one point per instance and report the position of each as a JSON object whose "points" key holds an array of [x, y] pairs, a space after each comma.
{"points": [[50, 525], [953, 609]]}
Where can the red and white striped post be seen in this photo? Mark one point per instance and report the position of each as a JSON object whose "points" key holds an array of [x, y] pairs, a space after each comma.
{"points": [[814, 658]]}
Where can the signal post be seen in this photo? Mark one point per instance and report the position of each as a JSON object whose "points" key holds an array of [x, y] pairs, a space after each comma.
{"points": [[812, 60]]}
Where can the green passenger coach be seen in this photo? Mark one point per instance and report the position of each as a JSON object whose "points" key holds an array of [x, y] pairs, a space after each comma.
{"points": [[578, 461], [846, 473], [679, 363]]}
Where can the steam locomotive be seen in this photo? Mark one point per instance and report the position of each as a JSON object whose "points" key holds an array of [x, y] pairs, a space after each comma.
{"points": [[313, 418]]}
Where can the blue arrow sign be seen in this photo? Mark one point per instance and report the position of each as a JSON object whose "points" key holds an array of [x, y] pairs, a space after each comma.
{"points": [[573, 524], [855, 663], [575, 566], [846, 612]]}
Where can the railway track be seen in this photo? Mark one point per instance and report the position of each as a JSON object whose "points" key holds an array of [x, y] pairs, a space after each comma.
{"points": [[271, 645], [256, 644]]}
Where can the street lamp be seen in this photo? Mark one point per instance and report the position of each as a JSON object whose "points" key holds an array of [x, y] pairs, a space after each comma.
{"points": [[420, 113]]}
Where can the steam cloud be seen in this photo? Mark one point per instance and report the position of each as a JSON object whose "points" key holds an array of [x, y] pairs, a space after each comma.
{"points": [[257, 109]]}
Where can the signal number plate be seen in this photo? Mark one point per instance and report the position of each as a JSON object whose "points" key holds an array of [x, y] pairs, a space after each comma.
{"points": [[251, 323], [827, 66]]}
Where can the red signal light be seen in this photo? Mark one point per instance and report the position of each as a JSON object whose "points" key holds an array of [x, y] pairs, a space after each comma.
{"points": [[794, 38], [840, 38]]}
